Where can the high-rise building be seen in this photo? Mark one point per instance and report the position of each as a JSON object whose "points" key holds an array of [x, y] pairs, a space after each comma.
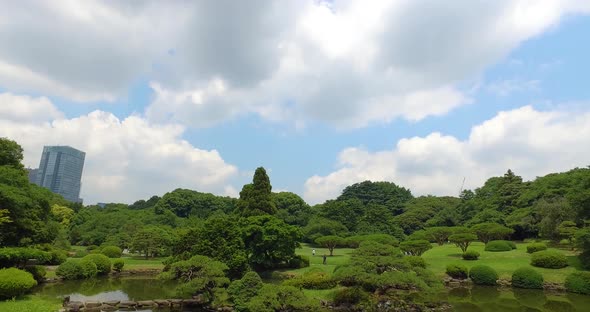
{"points": [[32, 174], [60, 170]]}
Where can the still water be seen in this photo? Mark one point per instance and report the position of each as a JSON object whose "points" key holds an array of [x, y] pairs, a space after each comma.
{"points": [[476, 299]]}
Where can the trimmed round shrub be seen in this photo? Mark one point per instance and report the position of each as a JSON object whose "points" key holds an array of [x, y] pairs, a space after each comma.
{"points": [[527, 278], [498, 245], [534, 247], [416, 261], [470, 255], [70, 270], [483, 275], [88, 268], [112, 251], [455, 270], [103, 264], [512, 244], [57, 257], [549, 259], [578, 282], [15, 282], [118, 265], [38, 272], [80, 253]]}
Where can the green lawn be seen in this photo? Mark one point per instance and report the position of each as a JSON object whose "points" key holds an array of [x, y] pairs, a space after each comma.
{"points": [[341, 256], [140, 263], [31, 304], [504, 262]]}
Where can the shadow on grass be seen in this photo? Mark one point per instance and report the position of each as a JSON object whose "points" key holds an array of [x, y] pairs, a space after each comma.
{"points": [[455, 255]]}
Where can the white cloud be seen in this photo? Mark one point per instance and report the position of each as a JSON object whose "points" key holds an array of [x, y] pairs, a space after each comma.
{"points": [[127, 159], [24, 108], [530, 142], [349, 63]]}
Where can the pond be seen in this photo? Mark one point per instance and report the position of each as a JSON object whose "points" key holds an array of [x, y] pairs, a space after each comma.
{"points": [[476, 299]]}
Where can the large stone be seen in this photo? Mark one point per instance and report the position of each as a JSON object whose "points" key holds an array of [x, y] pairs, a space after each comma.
{"points": [[108, 308], [112, 302], [192, 302], [127, 304], [93, 304], [145, 303], [74, 305], [162, 302]]}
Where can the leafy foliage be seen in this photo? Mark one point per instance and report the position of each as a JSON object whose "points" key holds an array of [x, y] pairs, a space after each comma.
{"points": [[19, 256], [77, 269], [491, 231], [111, 251], [256, 198], [273, 298], [578, 282], [312, 279], [330, 242], [15, 282], [355, 241], [527, 278], [458, 271], [534, 247], [462, 240], [483, 275], [415, 247], [470, 255], [498, 245], [103, 263], [549, 259], [118, 265], [243, 290]]}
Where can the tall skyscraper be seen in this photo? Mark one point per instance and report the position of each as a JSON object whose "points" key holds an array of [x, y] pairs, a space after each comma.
{"points": [[60, 170]]}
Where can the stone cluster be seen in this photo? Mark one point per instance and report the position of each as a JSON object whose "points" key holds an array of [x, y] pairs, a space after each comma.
{"points": [[115, 305]]}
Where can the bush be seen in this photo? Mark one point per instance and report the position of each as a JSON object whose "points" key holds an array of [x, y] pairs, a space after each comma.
{"points": [[92, 247], [38, 272], [512, 244], [498, 245], [312, 279], [527, 278], [415, 247], [57, 257], [299, 262], [77, 269], [118, 265], [350, 296], [19, 256], [69, 270], [416, 261], [470, 255], [578, 282], [534, 247], [15, 282], [549, 259], [103, 264], [386, 239], [483, 275], [80, 254], [112, 251], [457, 271]]}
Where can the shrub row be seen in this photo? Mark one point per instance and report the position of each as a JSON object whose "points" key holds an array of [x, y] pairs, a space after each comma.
{"points": [[88, 267], [313, 279]]}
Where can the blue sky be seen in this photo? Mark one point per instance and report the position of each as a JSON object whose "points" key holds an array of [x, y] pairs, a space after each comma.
{"points": [[321, 96]]}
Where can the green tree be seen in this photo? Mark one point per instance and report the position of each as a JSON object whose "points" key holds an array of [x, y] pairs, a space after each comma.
{"points": [[256, 198], [151, 241], [62, 214], [583, 243], [244, 289], [270, 242], [11, 154], [567, 230], [330, 242], [318, 227], [378, 219], [200, 276], [291, 208], [491, 231], [552, 213], [463, 240], [387, 194], [221, 239], [439, 234], [415, 247], [4, 218]]}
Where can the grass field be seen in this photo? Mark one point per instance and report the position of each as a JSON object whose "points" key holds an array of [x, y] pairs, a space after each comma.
{"points": [[341, 256], [30, 304], [504, 262]]}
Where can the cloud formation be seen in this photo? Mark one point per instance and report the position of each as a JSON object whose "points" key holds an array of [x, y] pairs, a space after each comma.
{"points": [[349, 63], [528, 141], [126, 159]]}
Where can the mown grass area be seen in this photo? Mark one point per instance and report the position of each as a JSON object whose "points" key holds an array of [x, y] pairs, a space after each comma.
{"points": [[31, 304], [341, 256], [504, 262], [140, 263]]}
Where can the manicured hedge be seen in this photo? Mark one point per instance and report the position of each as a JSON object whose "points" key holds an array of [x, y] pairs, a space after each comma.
{"points": [[470, 255], [118, 265], [386, 239], [111, 251], [457, 271], [534, 247], [483, 275], [15, 282], [103, 264], [498, 245], [549, 259], [578, 282], [313, 279], [77, 269], [527, 278], [19, 256]]}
